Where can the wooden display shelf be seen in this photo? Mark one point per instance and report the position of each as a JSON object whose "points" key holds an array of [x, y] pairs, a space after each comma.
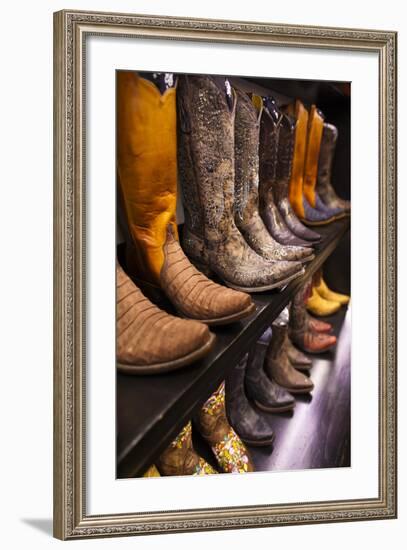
{"points": [[151, 410]]}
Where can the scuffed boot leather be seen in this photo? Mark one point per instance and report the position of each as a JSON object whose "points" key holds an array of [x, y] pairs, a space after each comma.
{"points": [[181, 459], [298, 359], [265, 393], [246, 206], [278, 366], [150, 340], [147, 169], [230, 452], [326, 154], [286, 136], [300, 330], [250, 425], [206, 161]]}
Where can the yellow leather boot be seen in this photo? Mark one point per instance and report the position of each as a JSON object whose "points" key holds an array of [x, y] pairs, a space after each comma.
{"points": [[320, 306], [315, 129], [328, 294], [300, 114], [147, 176], [152, 472]]}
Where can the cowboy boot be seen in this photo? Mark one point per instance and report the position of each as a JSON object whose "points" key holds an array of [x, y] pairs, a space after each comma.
{"points": [[328, 294], [300, 331], [207, 175], [265, 393], [320, 306], [230, 452], [278, 366], [149, 340], [268, 154], [326, 154], [298, 359], [147, 170], [315, 129], [316, 325], [181, 459], [286, 136], [305, 212], [246, 204], [251, 426]]}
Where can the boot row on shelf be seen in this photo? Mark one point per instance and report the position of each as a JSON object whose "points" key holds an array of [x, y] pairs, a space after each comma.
{"points": [[251, 176], [265, 382]]}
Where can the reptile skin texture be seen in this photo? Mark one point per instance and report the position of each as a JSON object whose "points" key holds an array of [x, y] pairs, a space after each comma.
{"points": [[180, 457], [251, 426], [229, 450], [150, 340], [206, 160], [324, 186], [278, 366], [268, 155], [246, 205]]}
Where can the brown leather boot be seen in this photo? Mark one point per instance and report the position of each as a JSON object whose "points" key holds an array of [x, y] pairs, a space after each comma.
{"points": [[207, 175], [300, 326], [246, 206], [298, 359], [228, 448], [278, 366], [150, 340], [181, 459], [326, 154], [147, 169]]}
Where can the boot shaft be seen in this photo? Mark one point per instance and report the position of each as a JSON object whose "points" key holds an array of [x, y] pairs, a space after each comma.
{"points": [[286, 135], [326, 154], [314, 136], [268, 153]]}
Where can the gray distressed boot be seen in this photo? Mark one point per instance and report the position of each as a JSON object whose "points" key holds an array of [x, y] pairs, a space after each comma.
{"points": [[251, 426], [207, 175]]}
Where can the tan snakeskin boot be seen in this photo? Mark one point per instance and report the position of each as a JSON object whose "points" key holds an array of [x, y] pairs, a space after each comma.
{"points": [[181, 459], [150, 340], [246, 206], [147, 170], [228, 448], [206, 168]]}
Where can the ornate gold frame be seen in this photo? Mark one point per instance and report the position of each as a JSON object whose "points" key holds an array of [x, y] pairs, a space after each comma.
{"points": [[70, 31]]}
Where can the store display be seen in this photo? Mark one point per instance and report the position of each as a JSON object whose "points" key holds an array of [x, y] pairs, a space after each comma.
{"points": [[207, 175], [301, 329], [266, 394], [212, 423], [251, 426], [278, 366], [268, 154], [324, 186], [220, 183], [181, 459], [149, 340], [246, 206]]}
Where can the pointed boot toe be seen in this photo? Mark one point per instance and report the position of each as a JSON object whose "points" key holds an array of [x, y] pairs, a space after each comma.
{"points": [[320, 306], [329, 294]]}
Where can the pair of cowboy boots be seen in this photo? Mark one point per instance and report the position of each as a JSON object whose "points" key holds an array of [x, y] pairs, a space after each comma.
{"points": [[180, 458], [307, 333], [303, 189], [218, 139], [324, 301]]}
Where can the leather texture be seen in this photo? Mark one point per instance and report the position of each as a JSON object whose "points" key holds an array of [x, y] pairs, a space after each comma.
{"points": [[279, 368], [229, 450], [150, 340], [324, 185], [296, 357], [265, 393], [194, 295], [327, 294], [320, 306], [251, 426], [206, 162], [180, 457], [317, 325], [268, 154], [147, 167], [246, 205], [300, 331]]}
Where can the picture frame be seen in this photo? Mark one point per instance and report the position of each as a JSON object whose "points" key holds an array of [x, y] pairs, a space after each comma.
{"points": [[71, 32]]}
